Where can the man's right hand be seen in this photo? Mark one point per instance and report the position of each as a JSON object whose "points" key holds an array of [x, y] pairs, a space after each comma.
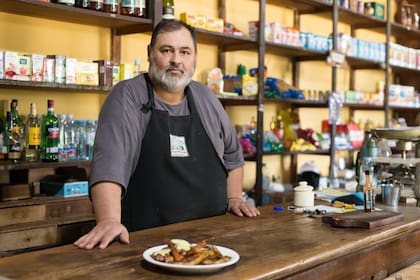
{"points": [[103, 234]]}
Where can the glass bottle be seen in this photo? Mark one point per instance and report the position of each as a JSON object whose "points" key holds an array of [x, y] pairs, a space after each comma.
{"points": [[15, 132], [127, 7], [168, 9], [368, 193], [33, 135], [111, 6], [50, 135], [97, 5], [140, 8], [82, 3]]}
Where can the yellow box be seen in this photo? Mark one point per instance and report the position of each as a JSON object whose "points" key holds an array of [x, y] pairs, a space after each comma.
{"points": [[87, 79], [214, 24], [249, 85], [115, 74], [87, 67], [126, 71]]}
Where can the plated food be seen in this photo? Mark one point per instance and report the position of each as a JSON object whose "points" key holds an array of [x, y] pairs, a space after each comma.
{"points": [[182, 256]]}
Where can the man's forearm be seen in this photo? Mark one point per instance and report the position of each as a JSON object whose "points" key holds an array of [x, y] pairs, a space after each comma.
{"points": [[106, 199], [235, 183]]}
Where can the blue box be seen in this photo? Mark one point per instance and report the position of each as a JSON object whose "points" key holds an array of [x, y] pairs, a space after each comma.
{"points": [[71, 189]]}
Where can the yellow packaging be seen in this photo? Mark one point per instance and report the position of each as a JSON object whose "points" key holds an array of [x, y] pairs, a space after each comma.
{"points": [[214, 24], [115, 74], [188, 18], [126, 71], [87, 67], [249, 85], [87, 79]]}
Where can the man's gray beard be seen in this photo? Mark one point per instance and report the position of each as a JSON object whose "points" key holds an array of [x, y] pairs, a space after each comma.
{"points": [[163, 79]]}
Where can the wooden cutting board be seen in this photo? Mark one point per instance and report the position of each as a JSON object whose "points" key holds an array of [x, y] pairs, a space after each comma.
{"points": [[361, 219]]}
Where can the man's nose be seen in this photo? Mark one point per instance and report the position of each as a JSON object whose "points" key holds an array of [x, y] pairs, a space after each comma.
{"points": [[176, 57]]}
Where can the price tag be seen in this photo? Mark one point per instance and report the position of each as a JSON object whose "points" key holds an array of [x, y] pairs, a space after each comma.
{"points": [[337, 59]]}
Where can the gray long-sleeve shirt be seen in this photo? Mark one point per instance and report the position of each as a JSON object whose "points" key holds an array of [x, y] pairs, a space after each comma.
{"points": [[122, 125]]}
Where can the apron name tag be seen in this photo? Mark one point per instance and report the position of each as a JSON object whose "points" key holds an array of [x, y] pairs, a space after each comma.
{"points": [[178, 146]]}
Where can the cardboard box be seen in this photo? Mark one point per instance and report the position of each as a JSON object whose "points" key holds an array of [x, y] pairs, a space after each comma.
{"points": [[115, 74], [1, 64], [11, 62], [24, 68], [37, 67], [71, 73]]}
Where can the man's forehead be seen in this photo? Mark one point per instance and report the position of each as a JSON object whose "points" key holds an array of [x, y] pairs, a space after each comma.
{"points": [[179, 38]]}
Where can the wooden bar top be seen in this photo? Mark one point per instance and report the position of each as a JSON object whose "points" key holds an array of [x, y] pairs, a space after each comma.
{"points": [[275, 245]]}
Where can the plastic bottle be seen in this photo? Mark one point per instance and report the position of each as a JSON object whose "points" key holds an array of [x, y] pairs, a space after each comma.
{"points": [[70, 138], [90, 139], [80, 139], [266, 177], [136, 70], [62, 152], [335, 107]]}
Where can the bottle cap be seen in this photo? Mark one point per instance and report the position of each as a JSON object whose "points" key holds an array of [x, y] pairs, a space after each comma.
{"points": [[278, 208]]}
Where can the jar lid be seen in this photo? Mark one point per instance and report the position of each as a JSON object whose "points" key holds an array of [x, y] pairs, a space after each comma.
{"points": [[303, 186]]}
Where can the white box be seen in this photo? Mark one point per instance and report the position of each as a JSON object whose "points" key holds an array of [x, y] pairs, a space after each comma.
{"points": [[37, 67], [71, 66], [1, 64], [24, 68]]}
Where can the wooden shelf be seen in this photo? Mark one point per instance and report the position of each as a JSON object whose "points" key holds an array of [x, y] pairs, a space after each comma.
{"points": [[7, 165], [33, 8], [51, 86]]}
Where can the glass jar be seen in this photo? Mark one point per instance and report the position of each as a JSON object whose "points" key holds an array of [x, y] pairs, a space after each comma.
{"points": [[97, 5], [111, 6]]}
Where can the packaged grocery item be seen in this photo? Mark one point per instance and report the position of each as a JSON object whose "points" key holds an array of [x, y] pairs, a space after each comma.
{"points": [[87, 73], [24, 68], [37, 67], [215, 80], [126, 71], [10, 65], [105, 68], [115, 74], [60, 69], [253, 30], [214, 24], [71, 73], [49, 69], [249, 85]]}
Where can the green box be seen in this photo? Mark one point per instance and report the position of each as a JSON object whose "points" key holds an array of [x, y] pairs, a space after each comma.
{"points": [[379, 10]]}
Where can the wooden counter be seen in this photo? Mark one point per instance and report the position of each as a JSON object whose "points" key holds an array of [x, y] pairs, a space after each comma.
{"points": [[276, 245]]}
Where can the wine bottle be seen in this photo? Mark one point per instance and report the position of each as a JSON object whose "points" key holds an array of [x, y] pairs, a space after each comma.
{"points": [[50, 135], [15, 132], [168, 9], [33, 135]]}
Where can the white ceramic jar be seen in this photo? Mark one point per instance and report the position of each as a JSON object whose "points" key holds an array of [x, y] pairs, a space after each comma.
{"points": [[303, 195]]}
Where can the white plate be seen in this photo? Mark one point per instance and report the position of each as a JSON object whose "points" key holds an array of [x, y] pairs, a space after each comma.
{"points": [[185, 268]]}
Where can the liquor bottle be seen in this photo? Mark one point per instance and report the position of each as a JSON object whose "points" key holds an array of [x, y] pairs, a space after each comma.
{"points": [[368, 193], [33, 135], [168, 9], [15, 132], [50, 135]]}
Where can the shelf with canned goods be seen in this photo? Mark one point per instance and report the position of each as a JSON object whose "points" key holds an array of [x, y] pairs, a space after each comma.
{"points": [[121, 23]]}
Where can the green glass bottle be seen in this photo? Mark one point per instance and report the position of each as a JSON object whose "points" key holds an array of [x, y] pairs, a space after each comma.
{"points": [[15, 132], [33, 135], [50, 135], [168, 9]]}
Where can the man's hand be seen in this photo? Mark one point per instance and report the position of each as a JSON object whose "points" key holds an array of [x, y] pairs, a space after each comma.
{"points": [[240, 208], [103, 234]]}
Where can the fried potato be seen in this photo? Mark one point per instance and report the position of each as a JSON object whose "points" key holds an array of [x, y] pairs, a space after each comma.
{"points": [[179, 252]]}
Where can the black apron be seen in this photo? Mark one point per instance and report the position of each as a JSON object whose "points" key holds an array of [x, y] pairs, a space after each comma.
{"points": [[167, 189]]}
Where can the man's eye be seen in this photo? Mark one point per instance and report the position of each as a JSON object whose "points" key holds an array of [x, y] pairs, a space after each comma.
{"points": [[185, 53], [166, 51]]}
